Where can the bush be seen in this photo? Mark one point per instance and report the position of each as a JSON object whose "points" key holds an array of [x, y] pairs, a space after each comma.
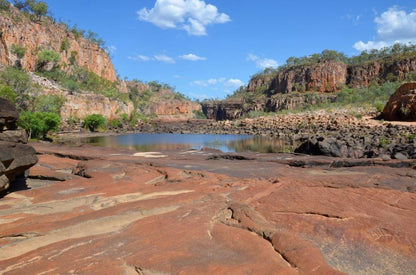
{"points": [[46, 56], [7, 93], [18, 51], [4, 5], [48, 103], [38, 125], [17, 80], [115, 123], [94, 121], [199, 115]]}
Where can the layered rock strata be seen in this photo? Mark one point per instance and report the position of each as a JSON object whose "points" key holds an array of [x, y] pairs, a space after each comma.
{"points": [[34, 36], [15, 155]]}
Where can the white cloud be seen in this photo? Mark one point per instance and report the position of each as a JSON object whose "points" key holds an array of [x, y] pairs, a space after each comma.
{"points": [[164, 58], [393, 26], [190, 15], [262, 63], [223, 84], [234, 83], [139, 58], [209, 82], [192, 57]]}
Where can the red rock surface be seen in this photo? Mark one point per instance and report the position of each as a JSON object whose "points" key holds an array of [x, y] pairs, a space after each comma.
{"points": [[402, 104], [128, 213]]}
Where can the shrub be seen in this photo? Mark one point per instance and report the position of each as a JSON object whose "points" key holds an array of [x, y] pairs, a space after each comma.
{"points": [[18, 51], [38, 125], [4, 5], [71, 85], [46, 56], [94, 121], [115, 123], [65, 45], [17, 80], [48, 103], [199, 115], [7, 93], [124, 118]]}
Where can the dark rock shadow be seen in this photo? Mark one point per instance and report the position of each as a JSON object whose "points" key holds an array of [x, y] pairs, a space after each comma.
{"points": [[18, 184]]}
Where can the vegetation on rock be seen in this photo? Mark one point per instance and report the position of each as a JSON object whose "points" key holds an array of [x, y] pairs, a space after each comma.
{"points": [[94, 121]]}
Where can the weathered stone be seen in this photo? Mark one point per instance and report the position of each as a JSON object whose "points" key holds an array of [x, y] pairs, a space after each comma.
{"points": [[17, 136], [20, 30], [402, 104], [136, 217], [15, 159], [8, 114]]}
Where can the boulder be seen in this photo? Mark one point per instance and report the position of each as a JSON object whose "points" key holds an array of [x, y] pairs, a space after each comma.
{"points": [[15, 159], [15, 155], [402, 104], [324, 147], [8, 115]]}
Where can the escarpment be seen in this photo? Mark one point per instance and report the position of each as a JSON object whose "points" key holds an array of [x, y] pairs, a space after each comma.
{"points": [[35, 36]]}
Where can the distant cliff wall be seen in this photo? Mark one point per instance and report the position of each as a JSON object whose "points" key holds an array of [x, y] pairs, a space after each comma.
{"points": [[17, 29]]}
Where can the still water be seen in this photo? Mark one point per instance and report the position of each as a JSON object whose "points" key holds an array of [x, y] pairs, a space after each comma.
{"points": [[166, 142]]}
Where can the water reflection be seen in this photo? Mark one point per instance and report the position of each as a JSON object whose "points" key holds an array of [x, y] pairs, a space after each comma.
{"points": [[168, 142]]}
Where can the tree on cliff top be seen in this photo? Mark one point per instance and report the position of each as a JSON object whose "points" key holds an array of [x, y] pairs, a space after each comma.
{"points": [[38, 8]]}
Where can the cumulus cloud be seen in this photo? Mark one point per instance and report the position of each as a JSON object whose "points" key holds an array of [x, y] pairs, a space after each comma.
{"points": [[164, 58], [139, 58], [393, 26], [190, 15], [222, 83], [209, 82], [262, 63], [192, 57], [158, 57], [234, 83]]}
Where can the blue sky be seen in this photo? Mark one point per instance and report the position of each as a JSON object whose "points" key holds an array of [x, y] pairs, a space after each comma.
{"points": [[207, 49]]}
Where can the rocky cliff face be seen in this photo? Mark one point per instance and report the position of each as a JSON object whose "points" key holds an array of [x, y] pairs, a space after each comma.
{"points": [[327, 77], [16, 29], [80, 104], [223, 110], [330, 76], [162, 102], [229, 110], [173, 108], [363, 75]]}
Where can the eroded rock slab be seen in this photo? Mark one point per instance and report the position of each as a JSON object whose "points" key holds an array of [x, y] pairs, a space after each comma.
{"points": [[135, 215]]}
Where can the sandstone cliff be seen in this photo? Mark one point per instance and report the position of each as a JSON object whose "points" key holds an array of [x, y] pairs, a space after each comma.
{"points": [[327, 76], [379, 71], [160, 100], [331, 76], [17, 29]]}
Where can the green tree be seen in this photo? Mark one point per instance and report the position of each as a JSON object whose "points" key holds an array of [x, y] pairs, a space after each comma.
{"points": [[38, 125], [94, 121], [7, 93], [39, 8]]}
